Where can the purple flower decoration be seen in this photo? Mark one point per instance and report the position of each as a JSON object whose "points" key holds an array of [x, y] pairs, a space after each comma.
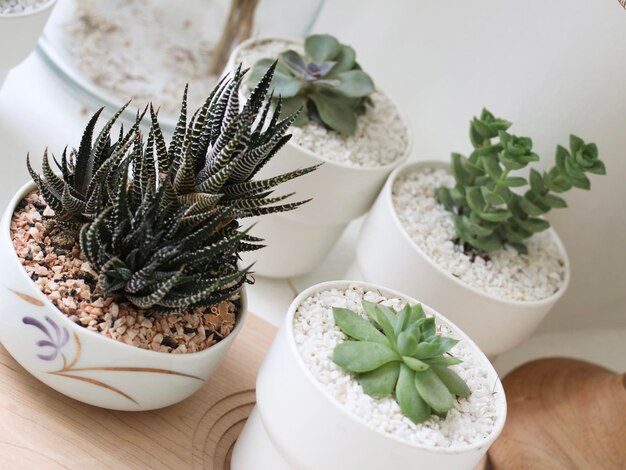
{"points": [[56, 342]]}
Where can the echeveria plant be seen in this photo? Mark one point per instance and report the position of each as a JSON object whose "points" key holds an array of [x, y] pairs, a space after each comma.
{"points": [[488, 213], [400, 354], [327, 82]]}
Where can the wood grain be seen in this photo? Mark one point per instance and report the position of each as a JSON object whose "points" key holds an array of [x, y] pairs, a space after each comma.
{"points": [[42, 429], [563, 414]]}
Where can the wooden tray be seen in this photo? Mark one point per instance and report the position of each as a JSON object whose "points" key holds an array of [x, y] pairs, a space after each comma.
{"points": [[40, 428]]}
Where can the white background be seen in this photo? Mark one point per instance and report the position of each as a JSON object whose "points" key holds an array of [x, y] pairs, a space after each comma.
{"points": [[553, 67]]}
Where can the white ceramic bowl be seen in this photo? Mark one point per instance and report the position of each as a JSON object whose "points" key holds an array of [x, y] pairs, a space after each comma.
{"points": [[387, 255], [297, 425], [18, 35], [298, 241], [83, 364]]}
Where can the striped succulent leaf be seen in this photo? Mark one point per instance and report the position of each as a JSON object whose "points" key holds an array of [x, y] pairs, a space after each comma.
{"points": [[81, 190], [225, 144]]}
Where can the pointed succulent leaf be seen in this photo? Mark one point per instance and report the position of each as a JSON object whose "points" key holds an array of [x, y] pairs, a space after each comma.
{"points": [[380, 382], [379, 316], [455, 384], [407, 343], [335, 113], [415, 364], [357, 327], [411, 403], [363, 356], [442, 361], [433, 391]]}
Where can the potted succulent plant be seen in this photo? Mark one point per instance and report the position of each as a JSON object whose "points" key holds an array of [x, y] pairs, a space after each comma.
{"points": [[21, 23], [470, 237], [347, 124], [122, 282], [366, 368]]}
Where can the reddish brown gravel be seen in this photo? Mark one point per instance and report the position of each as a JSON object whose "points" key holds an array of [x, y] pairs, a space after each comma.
{"points": [[65, 277]]}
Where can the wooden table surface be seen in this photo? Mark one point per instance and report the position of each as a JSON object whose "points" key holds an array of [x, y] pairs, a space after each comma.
{"points": [[42, 429]]}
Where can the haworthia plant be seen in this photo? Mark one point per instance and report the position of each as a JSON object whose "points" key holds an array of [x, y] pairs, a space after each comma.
{"points": [[160, 223], [148, 248], [400, 354], [327, 82], [493, 207]]}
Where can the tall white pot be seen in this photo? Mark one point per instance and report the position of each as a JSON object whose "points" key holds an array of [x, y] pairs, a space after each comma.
{"points": [[298, 241], [387, 255], [18, 35], [298, 425]]}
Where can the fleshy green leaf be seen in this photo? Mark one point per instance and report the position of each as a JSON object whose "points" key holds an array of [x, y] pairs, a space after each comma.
{"points": [[407, 344], [321, 47], [444, 198], [411, 404], [335, 113], [363, 356], [379, 316], [442, 361], [344, 61], [513, 181], [354, 84], [357, 327], [415, 364], [455, 384], [433, 391], [380, 382]]}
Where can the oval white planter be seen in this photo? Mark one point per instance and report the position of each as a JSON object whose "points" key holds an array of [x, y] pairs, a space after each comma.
{"points": [[18, 35], [298, 241], [297, 425], [387, 255], [83, 364]]}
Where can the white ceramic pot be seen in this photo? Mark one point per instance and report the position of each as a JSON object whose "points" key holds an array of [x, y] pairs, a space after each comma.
{"points": [[298, 241], [18, 36], [387, 255], [298, 425], [83, 364]]}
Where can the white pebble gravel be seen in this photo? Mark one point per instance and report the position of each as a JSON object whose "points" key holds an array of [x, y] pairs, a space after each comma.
{"points": [[381, 136], [14, 7], [470, 421], [506, 274]]}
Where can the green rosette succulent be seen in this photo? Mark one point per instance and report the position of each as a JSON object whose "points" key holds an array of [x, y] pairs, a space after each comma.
{"points": [[327, 82], [488, 211], [400, 354]]}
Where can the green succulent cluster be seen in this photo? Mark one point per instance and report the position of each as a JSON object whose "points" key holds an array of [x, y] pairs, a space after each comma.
{"points": [[159, 223], [488, 211], [326, 81], [400, 354]]}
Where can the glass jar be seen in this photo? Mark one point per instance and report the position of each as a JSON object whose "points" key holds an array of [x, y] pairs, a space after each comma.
{"points": [[111, 51]]}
